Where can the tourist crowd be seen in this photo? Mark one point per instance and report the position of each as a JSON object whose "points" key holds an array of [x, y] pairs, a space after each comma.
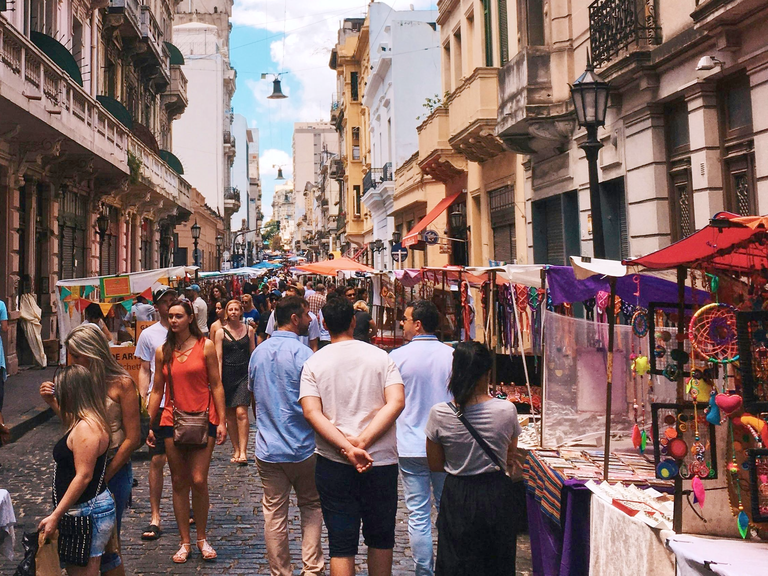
{"points": [[338, 421]]}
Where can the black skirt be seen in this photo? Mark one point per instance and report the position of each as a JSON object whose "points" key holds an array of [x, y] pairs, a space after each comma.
{"points": [[477, 526]]}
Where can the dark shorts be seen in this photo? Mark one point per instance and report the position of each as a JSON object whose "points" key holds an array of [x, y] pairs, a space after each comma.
{"points": [[159, 449], [349, 498], [164, 432]]}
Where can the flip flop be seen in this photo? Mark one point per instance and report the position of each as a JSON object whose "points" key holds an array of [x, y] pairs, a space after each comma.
{"points": [[153, 529], [243, 462]]}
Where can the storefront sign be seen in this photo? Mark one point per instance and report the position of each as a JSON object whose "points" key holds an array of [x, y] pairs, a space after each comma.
{"points": [[114, 287], [125, 357]]}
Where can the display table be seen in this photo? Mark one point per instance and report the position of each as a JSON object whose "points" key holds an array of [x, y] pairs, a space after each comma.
{"points": [[697, 555], [621, 544]]}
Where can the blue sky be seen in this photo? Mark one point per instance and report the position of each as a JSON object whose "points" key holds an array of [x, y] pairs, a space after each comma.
{"points": [[294, 37]]}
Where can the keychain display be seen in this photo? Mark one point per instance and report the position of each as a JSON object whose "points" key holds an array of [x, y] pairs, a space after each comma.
{"points": [[683, 441], [663, 340], [752, 330], [758, 477]]}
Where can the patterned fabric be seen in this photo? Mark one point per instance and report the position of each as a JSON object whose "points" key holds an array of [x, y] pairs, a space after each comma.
{"points": [[316, 301], [545, 485]]}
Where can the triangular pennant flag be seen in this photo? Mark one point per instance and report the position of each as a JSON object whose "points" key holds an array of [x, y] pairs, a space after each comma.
{"points": [[127, 304], [75, 291], [65, 292], [163, 280], [82, 304], [71, 311], [105, 308], [147, 294], [87, 290], [66, 306]]}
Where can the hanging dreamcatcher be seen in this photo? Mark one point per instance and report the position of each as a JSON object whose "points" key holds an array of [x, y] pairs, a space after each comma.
{"points": [[713, 334]]}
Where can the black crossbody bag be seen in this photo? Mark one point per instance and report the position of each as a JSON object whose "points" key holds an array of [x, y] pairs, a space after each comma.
{"points": [[75, 532], [515, 487]]}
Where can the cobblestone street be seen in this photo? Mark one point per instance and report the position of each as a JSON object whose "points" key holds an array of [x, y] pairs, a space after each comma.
{"points": [[235, 526]]}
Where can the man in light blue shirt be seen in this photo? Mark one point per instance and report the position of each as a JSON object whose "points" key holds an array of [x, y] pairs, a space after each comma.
{"points": [[425, 365], [285, 442]]}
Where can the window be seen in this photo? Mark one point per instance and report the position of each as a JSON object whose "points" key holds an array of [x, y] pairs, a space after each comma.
{"points": [[355, 89], [531, 13], [447, 85], [457, 58], [358, 200], [109, 244], [503, 33], [146, 244], [488, 32], [502, 206], [73, 232], [613, 202], [77, 41], [681, 213], [556, 234], [738, 147]]}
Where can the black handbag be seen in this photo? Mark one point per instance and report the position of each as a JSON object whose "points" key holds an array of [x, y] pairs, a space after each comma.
{"points": [[75, 532], [515, 488]]}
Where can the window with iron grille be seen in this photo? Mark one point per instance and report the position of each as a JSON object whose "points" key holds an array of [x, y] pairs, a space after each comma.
{"points": [[109, 244], [503, 33], [146, 244], [738, 146], [502, 207], [681, 212], [73, 232]]}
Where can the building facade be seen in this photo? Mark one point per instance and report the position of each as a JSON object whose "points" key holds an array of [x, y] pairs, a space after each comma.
{"points": [[284, 212], [255, 216], [682, 140], [88, 184], [211, 227]]}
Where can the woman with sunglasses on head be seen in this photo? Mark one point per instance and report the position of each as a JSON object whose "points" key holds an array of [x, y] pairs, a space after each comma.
{"points": [[86, 346], [479, 516], [189, 378], [79, 489], [234, 344]]}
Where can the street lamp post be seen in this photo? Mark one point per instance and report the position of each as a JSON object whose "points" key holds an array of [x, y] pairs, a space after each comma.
{"points": [[195, 237], [590, 99], [219, 243]]}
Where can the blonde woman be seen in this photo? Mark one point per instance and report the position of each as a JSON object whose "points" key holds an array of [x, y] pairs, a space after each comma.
{"points": [[81, 460], [87, 347], [365, 327], [234, 345]]}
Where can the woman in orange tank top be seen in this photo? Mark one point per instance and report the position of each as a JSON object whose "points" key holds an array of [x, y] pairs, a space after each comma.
{"points": [[190, 359]]}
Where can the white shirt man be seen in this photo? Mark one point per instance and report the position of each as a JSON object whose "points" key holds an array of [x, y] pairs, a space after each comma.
{"points": [[200, 308]]}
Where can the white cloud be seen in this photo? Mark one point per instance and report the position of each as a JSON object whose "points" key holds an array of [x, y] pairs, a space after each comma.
{"points": [[270, 159], [311, 28]]}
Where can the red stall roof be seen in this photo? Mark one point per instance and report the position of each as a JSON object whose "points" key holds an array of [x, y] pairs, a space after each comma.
{"points": [[413, 234], [331, 267], [729, 242]]}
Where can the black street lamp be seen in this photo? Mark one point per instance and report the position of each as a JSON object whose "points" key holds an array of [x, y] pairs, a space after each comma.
{"points": [[397, 236], [590, 99], [195, 237], [219, 244]]}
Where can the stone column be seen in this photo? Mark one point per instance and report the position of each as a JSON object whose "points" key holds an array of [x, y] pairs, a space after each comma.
{"points": [[9, 261], [706, 166], [758, 81], [30, 216]]}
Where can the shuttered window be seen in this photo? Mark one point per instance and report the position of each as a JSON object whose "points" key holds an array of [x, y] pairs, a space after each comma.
{"points": [[503, 33], [556, 234], [502, 207], [109, 245], [73, 235], [488, 32]]}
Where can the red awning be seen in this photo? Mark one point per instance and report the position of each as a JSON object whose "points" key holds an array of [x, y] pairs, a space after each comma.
{"points": [[331, 267], [729, 242], [413, 235]]}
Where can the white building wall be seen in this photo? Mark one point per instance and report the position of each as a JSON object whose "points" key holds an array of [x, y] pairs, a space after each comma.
{"points": [[199, 133], [309, 140], [240, 167]]}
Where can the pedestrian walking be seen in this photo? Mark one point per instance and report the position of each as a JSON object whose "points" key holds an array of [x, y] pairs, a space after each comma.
{"points": [[425, 365], [365, 327], [474, 439], [285, 442], [80, 458], [217, 293], [149, 341], [87, 347], [199, 306], [5, 433], [219, 309], [234, 345], [190, 380], [309, 290], [351, 394], [250, 314], [317, 300], [312, 339]]}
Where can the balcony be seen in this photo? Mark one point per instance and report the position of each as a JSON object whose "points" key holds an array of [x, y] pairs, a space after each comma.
{"points": [[376, 176], [622, 34], [231, 201], [472, 110], [158, 176], [379, 190], [436, 157], [229, 144], [125, 15], [336, 106], [155, 56], [174, 99], [530, 118], [714, 14]]}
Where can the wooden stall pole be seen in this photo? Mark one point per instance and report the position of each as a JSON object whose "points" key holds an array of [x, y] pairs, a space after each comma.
{"points": [[609, 380], [491, 326], [542, 364], [677, 518]]}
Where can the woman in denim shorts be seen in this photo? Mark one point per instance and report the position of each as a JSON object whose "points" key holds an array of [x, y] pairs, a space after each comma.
{"points": [[87, 347], [81, 461]]}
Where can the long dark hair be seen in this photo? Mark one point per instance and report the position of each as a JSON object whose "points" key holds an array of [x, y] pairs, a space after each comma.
{"points": [[471, 361], [170, 341]]}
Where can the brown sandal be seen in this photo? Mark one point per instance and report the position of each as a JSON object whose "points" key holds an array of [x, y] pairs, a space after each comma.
{"points": [[185, 549], [206, 550]]}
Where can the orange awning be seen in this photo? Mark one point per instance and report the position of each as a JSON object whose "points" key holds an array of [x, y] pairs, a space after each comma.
{"points": [[413, 235], [331, 267]]}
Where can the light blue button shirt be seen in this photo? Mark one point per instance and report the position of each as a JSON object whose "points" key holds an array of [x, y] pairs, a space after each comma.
{"points": [[274, 374], [425, 365]]}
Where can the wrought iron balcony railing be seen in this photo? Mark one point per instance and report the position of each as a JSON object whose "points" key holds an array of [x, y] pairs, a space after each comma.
{"points": [[232, 194], [376, 176], [615, 25]]}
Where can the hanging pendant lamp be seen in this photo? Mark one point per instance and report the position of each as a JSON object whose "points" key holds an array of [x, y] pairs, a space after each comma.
{"points": [[277, 90]]}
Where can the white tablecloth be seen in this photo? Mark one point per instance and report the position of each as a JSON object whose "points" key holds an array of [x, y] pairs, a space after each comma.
{"points": [[697, 555], [7, 523], [622, 545]]}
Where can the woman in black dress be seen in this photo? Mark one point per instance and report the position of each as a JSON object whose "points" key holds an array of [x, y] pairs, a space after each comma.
{"points": [[234, 345]]}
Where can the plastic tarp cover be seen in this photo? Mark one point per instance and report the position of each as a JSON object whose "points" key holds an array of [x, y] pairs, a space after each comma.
{"points": [[31, 315], [575, 377]]}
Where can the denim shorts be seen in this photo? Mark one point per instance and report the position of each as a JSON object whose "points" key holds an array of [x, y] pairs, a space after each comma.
{"points": [[349, 499], [102, 510]]}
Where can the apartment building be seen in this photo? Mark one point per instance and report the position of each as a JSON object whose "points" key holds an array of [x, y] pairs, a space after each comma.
{"points": [[284, 212], [683, 138], [88, 183]]}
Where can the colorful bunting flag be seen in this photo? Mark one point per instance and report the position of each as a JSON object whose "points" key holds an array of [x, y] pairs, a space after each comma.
{"points": [[82, 304], [87, 290], [65, 292], [105, 308], [127, 304], [147, 294]]}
